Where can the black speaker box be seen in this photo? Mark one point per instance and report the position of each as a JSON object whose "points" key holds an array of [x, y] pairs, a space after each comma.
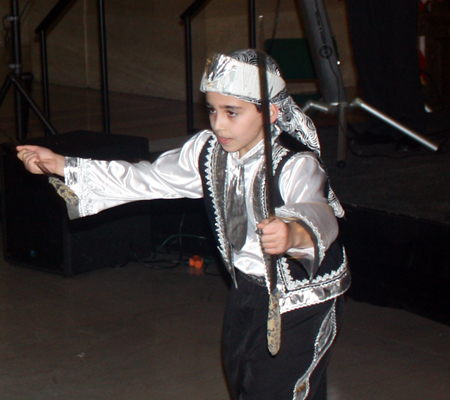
{"points": [[36, 230]]}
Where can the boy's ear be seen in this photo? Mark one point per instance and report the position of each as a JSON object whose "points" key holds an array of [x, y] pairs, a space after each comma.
{"points": [[274, 110]]}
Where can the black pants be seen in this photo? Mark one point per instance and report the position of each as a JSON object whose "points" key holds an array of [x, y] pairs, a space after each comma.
{"points": [[384, 36], [252, 373]]}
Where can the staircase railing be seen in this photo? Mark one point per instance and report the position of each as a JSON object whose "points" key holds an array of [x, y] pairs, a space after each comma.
{"points": [[53, 17]]}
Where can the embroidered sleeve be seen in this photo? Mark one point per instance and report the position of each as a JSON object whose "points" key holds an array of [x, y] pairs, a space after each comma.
{"points": [[302, 186], [105, 184]]}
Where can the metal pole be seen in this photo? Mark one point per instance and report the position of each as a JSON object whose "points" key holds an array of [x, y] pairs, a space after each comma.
{"points": [[189, 83], [16, 66], [397, 125], [33, 105], [252, 22], [104, 67], [342, 133], [44, 67]]}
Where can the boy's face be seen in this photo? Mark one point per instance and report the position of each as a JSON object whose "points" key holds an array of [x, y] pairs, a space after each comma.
{"points": [[237, 124]]}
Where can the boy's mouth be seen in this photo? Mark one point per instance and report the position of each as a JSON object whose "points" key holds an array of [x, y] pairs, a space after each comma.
{"points": [[223, 140]]}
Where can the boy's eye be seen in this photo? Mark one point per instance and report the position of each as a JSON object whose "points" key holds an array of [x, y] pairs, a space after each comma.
{"points": [[232, 114], [211, 110]]}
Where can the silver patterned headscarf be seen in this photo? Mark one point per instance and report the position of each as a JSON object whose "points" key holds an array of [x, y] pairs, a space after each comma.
{"points": [[237, 75]]}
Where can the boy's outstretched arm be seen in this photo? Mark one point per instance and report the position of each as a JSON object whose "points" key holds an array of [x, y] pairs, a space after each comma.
{"points": [[278, 236], [30, 155]]}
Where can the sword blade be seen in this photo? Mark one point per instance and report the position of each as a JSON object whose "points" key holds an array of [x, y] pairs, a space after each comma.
{"points": [[274, 316], [265, 110]]}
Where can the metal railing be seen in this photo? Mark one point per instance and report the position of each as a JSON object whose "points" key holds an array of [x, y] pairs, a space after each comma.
{"points": [[43, 29]]}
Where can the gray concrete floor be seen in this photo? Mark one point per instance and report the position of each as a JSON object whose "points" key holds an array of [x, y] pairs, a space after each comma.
{"points": [[138, 332], [141, 333]]}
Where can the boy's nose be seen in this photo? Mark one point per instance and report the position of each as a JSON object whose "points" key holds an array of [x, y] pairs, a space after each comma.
{"points": [[217, 123]]}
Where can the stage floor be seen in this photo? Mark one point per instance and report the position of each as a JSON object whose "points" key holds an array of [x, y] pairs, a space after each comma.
{"points": [[415, 183]]}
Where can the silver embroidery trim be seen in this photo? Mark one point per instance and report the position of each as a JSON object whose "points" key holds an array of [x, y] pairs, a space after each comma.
{"points": [[290, 284], [70, 170], [259, 195], [316, 291], [324, 339], [215, 174], [257, 280], [335, 204], [292, 120], [229, 76], [283, 214], [261, 212], [76, 174], [278, 151]]}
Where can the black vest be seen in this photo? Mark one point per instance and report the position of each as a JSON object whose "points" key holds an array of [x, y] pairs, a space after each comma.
{"points": [[298, 289]]}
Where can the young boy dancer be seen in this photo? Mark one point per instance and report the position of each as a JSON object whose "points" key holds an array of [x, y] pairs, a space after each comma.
{"points": [[225, 166]]}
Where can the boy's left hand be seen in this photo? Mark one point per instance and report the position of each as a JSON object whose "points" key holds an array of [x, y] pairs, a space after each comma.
{"points": [[278, 236]]}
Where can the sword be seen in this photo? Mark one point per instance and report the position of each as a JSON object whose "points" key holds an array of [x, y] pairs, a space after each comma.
{"points": [[274, 316]]}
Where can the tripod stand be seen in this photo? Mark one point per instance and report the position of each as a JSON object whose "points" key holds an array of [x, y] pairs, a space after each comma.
{"points": [[324, 56], [22, 98]]}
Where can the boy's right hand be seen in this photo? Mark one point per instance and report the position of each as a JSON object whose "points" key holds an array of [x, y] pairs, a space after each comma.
{"points": [[30, 155]]}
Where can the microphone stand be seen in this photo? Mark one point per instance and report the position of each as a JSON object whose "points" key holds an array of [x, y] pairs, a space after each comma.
{"points": [[22, 98], [326, 64]]}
